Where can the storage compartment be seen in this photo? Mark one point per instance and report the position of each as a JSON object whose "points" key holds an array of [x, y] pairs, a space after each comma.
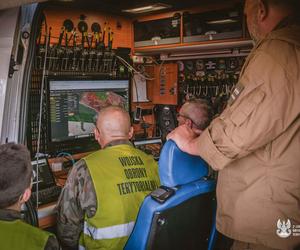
{"points": [[212, 25], [157, 32]]}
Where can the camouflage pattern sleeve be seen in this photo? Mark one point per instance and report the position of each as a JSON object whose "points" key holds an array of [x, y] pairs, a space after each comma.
{"points": [[52, 244], [78, 198]]}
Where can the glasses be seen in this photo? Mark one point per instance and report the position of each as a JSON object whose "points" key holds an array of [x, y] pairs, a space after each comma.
{"points": [[183, 116], [187, 118]]}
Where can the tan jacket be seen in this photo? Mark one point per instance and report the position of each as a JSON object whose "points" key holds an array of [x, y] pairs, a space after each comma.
{"points": [[255, 143]]}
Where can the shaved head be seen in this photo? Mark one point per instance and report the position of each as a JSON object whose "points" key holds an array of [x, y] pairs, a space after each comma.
{"points": [[113, 123], [196, 113]]}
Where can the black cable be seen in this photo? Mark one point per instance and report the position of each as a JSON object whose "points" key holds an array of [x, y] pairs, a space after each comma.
{"points": [[31, 214]]}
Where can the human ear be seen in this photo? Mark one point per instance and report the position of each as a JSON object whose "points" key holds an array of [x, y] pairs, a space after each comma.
{"points": [[96, 134], [189, 123], [262, 10], [130, 134], [26, 195]]}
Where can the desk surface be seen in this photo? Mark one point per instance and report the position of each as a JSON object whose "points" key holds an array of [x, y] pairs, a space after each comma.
{"points": [[46, 215], [46, 212]]}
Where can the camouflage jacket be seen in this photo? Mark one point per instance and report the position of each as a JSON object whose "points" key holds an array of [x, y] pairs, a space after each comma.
{"points": [[78, 198]]}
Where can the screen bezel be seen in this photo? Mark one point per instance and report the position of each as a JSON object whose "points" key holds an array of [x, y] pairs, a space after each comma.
{"points": [[49, 79]]}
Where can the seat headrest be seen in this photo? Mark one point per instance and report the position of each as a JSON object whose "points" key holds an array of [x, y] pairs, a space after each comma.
{"points": [[177, 167]]}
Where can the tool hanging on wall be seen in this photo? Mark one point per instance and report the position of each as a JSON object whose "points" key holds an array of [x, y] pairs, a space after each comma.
{"points": [[59, 51], [76, 51], [69, 26], [109, 38], [42, 41], [96, 29], [50, 51], [83, 27], [91, 53], [104, 33], [110, 42], [108, 53]]}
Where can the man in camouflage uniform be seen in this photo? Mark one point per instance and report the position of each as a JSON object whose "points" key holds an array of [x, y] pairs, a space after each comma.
{"points": [[125, 173], [79, 186]]}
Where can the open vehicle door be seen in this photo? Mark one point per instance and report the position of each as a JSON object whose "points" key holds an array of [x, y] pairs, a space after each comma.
{"points": [[14, 43]]}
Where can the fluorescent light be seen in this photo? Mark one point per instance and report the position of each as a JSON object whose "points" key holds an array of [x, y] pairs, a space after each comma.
{"points": [[148, 8], [145, 8], [222, 21]]}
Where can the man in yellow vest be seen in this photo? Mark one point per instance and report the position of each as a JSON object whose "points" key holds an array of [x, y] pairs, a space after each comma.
{"points": [[15, 190], [100, 201]]}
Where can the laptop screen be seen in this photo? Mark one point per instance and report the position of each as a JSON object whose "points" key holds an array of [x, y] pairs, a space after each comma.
{"points": [[43, 177]]}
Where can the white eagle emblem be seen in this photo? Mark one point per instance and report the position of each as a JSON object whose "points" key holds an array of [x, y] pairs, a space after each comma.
{"points": [[284, 228]]}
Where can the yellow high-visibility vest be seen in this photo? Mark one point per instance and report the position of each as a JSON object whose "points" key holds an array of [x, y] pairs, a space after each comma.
{"points": [[122, 176], [17, 235]]}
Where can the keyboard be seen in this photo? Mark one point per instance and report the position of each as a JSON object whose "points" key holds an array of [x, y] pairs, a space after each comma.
{"points": [[46, 195]]}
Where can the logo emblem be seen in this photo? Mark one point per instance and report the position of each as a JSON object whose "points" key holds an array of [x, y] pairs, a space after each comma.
{"points": [[284, 228]]}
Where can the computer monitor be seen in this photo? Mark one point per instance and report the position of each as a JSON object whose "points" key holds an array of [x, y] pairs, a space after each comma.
{"points": [[74, 104]]}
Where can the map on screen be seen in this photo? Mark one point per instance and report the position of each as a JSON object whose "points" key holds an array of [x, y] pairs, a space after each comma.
{"points": [[74, 106]]}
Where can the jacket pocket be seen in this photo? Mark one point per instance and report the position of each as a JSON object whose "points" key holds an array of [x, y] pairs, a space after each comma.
{"points": [[246, 107]]}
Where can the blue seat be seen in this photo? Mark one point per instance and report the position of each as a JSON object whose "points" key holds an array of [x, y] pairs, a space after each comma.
{"points": [[186, 220]]}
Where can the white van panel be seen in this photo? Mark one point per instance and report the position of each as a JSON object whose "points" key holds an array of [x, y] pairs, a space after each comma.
{"points": [[16, 3], [8, 21]]}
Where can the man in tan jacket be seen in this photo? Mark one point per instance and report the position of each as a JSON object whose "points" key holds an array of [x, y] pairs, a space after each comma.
{"points": [[255, 142]]}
